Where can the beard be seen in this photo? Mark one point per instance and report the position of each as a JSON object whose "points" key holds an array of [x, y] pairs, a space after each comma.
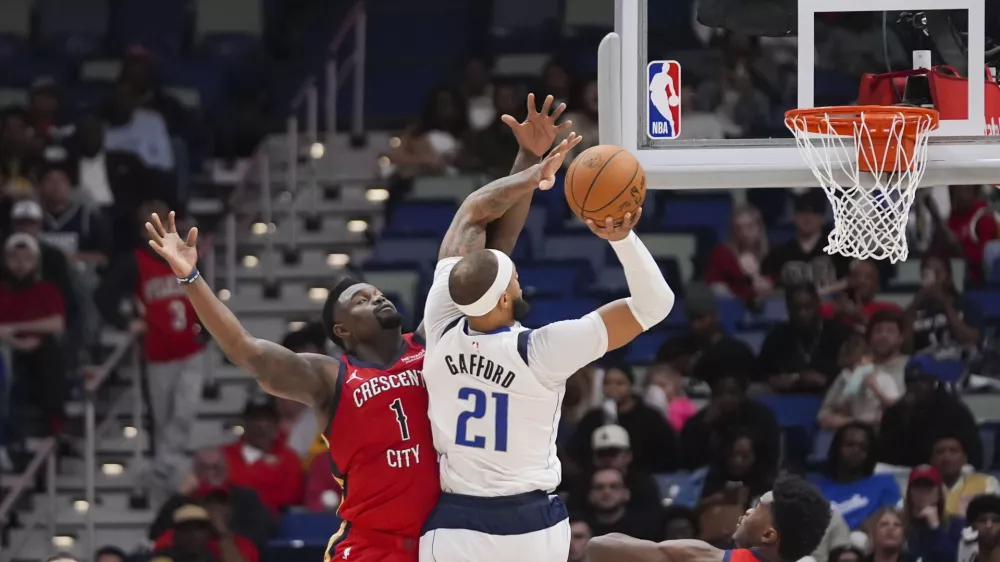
{"points": [[390, 320], [521, 308]]}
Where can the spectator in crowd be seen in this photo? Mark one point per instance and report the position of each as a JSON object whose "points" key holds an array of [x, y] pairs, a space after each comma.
{"points": [[948, 457], [735, 96], [801, 355], [225, 544], [700, 122], [557, 81], [802, 259], [608, 511], [477, 88], [855, 305], [432, 143], [491, 149], [322, 491], [886, 333], [299, 425], [931, 533], [20, 152], [845, 553], [680, 523], [137, 130], [250, 518], [665, 393], [579, 536], [734, 266], [910, 426], [27, 217], [740, 474], [849, 481], [43, 111], [261, 462], [886, 537], [836, 539], [583, 114], [32, 318], [70, 224], [861, 392], [703, 329], [728, 409], [139, 70], [944, 324], [110, 554], [970, 226], [651, 437], [173, 347], [193, 533], [984, 518], [612, 449]]}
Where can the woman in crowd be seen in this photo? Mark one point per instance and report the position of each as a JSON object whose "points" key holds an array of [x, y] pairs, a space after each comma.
{"points": [[931, 534], [740, 473], [431, 144], [849, 481], [886, 537], [734, 265]]}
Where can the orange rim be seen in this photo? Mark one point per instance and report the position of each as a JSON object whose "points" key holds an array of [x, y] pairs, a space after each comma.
{"points": [[843, 119]]}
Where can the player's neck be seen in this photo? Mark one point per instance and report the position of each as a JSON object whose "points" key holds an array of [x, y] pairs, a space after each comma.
{"points": [[487, 324], [381, 350]]}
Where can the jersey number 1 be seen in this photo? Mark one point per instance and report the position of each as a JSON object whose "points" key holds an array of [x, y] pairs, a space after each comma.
{"points": [[404, 428], [478, 398]]}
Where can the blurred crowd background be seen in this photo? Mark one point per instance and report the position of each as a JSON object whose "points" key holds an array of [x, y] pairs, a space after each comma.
{"points": [[877, 381]]}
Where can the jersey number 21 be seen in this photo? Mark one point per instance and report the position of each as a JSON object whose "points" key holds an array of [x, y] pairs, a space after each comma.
{"points": [[479, 410]]}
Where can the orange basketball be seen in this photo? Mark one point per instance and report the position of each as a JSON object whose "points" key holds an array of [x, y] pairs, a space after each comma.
{"points": [[605, 181]]}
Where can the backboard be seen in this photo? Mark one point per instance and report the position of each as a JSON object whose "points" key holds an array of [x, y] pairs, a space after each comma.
{"points": [[837, 42]]}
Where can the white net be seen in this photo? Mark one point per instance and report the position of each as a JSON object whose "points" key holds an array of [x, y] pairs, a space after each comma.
{"points": [[870, 176]]}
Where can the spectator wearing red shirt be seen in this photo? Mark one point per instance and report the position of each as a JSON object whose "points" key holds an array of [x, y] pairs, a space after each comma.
{"points": [[734, 265], [263, 463], [971, 225], [323, 492], [32, 317], [173, 347], [855, 305], [202, 534]]}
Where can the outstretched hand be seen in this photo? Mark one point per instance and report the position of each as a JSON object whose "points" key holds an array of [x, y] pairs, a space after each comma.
{"points": [[611, 232], [547, 168], [181, 254], [538, 130]]}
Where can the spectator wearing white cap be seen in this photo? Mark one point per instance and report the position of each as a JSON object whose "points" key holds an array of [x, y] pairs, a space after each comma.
{"points": [[26, 217], [32, 318], [613, 449]]}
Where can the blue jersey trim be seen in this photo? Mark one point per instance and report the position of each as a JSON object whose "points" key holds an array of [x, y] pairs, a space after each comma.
{"points": [[505, 515]]}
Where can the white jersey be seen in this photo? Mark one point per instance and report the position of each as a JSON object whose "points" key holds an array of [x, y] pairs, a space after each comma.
{"points": [[495, 399]]}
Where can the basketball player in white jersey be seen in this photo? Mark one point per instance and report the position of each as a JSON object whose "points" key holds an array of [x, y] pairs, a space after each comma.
{"points": [[496, 387]]}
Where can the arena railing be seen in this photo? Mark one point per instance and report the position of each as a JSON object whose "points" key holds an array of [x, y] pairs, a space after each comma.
{"points": [[46, 454]]}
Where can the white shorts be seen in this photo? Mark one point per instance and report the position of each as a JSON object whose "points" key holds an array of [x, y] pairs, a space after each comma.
{"points": [[532, 527]]}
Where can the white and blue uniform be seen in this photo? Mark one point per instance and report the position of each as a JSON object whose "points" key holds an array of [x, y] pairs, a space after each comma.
{"points": [[495, 403]]}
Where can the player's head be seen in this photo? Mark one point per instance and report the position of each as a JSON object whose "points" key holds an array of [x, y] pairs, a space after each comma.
{"points": [[790, 520], [358, 312], [802, 301], [484, 285]]}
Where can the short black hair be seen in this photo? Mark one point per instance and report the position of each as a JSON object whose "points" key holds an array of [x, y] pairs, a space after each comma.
{"points": [[800, 514], [886, 316], [624, 369], [982, 504], [330, 306]]}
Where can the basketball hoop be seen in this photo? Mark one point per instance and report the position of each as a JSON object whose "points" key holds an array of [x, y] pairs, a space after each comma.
{"points": [[872, 181]]}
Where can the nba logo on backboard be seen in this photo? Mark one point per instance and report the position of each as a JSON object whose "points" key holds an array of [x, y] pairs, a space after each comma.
{"points": [[663, 112]]}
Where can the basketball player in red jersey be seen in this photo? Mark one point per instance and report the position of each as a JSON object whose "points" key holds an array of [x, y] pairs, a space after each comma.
{"points": [[372, 399], [787, 524]]}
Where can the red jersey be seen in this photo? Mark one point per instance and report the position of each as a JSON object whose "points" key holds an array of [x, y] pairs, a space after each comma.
{"points": [[741, 555], [171, 323], [381, 447], [974, 228]]}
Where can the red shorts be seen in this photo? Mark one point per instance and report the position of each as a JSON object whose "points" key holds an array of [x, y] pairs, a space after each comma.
{"points": [[373, 546]]}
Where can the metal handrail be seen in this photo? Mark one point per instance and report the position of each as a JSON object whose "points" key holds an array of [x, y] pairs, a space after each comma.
{"points": [[47, 452]]}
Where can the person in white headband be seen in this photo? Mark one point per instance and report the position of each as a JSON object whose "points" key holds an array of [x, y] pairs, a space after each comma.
{"points": [[496, 387]]}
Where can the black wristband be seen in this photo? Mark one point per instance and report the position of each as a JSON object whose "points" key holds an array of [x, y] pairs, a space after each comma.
{"points": [[191, 278]]}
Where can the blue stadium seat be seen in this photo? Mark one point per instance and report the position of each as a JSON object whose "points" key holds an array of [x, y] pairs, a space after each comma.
{"points": [[686, 211], [774, 310], [792, 410], [681, 488], [555, 279], [611, 279], [988, 302], [642, 350], [547, 311], [421, 218], [584, 247], [407, 250], [309, 527], [731, 312], [948, 371]]}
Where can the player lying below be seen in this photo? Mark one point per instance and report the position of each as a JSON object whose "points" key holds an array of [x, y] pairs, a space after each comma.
{"points": [[496, 387], [787, 524]]}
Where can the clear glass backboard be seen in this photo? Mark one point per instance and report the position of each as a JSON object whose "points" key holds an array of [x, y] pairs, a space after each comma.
{"points": [[730, 92]]}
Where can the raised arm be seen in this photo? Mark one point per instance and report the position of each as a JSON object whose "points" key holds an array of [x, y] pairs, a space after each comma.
{"points": [[304, 377], [621, 548]]}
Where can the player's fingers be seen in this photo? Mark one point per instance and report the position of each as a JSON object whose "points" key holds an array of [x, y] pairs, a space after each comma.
{"points": [[509, 120], [532, 109], [192, 238], [626, 222], [563, 126], [594, 228], [154, 236], [171, 222], [155, 219], [638, 214], [559, 111], [575, 141], [609, 225], [547, 104]]}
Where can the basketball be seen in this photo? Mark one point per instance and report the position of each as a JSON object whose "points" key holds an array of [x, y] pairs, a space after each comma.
{"points": [[605, 181]]}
